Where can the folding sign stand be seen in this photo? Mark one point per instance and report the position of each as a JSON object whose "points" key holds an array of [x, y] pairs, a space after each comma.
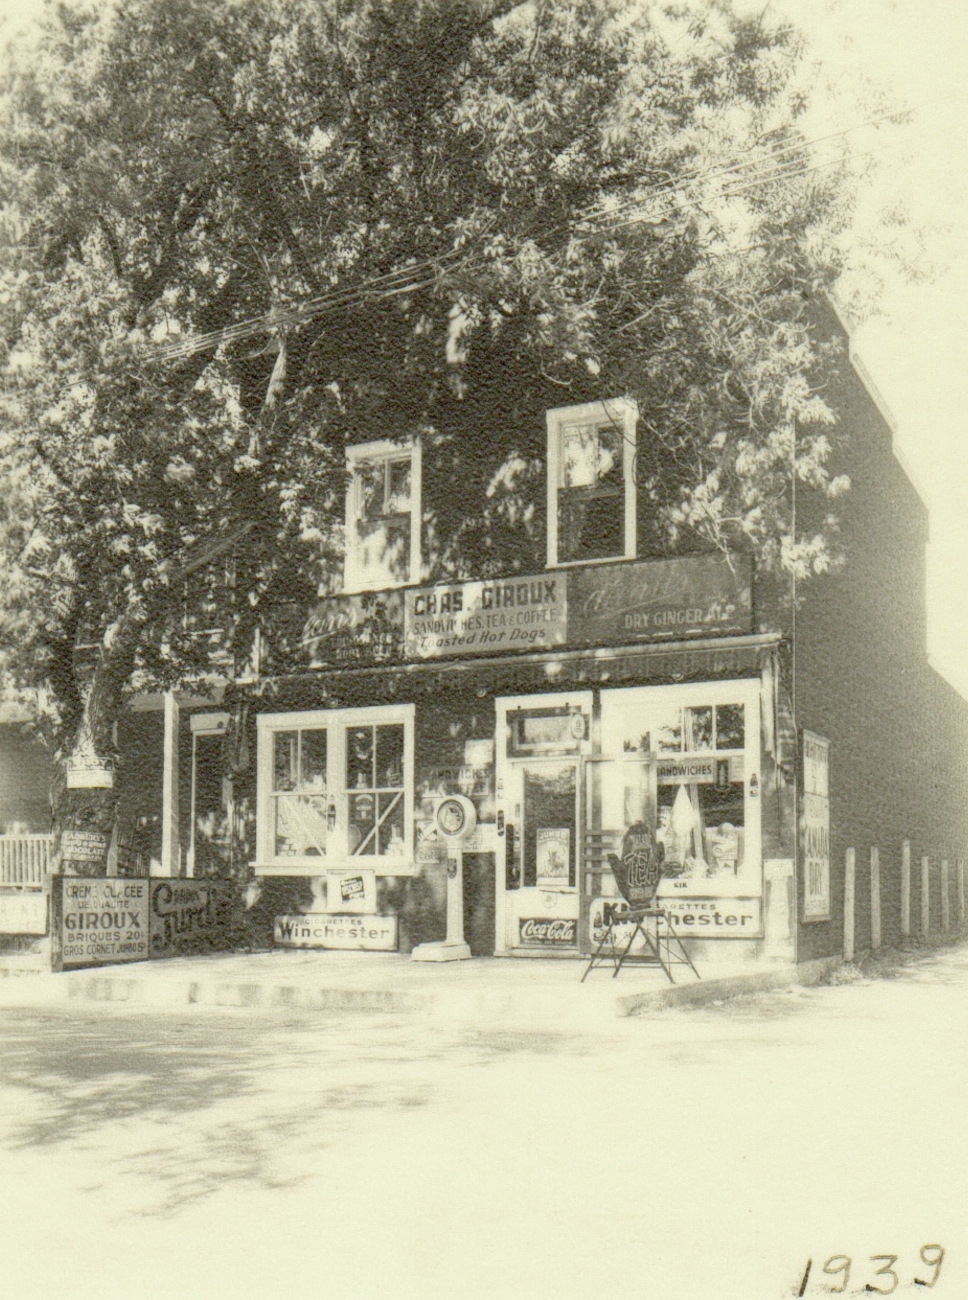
{"points": [[663, 947], [637, 873]]}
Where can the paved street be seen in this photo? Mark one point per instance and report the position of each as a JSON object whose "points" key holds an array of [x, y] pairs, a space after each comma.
{"points": [[707, 1154]]}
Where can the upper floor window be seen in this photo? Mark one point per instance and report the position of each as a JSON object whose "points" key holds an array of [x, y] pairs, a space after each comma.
{"points": [[383, 515], [591, 482]]}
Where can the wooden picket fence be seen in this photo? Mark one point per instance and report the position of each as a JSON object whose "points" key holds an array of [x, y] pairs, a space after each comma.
{"points": [[948, 916], [25, 860]]}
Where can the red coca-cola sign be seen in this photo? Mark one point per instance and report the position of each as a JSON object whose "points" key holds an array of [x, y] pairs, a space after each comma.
{"points": [[547, 932]]}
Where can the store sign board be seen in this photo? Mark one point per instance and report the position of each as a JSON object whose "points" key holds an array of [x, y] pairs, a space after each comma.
{"points": [[89, 775], [521, 613], [346, 630], [189, 916], [637, 869], [815, 827], [79, 849], [102, 920], [716, 918], [610, 911], [653, 600], [23, 913], [337, 930], [547, 931], [591, 605]]}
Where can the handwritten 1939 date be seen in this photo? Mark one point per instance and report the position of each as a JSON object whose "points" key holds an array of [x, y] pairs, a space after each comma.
{"points": [[878, 1281]]}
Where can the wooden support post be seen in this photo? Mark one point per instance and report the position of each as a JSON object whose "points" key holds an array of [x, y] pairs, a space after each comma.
{"points": [[849, 909], [170, 846], [875, 898], [906, 889], [961, 891], [925, 897], [945, 896]]}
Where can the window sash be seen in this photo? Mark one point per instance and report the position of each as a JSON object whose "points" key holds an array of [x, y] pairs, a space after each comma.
{"points": [[586, 489], [383, 516], [319, 810]]}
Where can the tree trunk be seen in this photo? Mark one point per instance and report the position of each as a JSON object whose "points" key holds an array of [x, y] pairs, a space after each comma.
{"points": [[86, 811]]}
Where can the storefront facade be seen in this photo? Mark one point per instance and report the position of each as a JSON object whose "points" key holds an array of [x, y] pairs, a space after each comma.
{"points": [[566, 708]]}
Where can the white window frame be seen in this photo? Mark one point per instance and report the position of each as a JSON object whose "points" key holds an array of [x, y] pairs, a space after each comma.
{"points": [[621, 411], [354, 579], [336, 723]]}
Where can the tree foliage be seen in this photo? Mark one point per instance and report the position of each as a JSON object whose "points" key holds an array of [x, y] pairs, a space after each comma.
{"points": [[441, 217]]}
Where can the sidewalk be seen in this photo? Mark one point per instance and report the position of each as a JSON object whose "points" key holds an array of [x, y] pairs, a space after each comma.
{"points": [[506, 989]]}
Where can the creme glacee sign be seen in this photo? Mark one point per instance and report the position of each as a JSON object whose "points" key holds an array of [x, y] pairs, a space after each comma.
{"points": [[103, 920]]}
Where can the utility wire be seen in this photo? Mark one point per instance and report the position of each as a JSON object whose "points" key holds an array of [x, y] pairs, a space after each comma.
{"points": [[599, 219]]}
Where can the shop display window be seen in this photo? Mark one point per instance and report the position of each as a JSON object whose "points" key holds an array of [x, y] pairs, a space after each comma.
{"points": [[685, 768], [298, 802], [336, 785]]}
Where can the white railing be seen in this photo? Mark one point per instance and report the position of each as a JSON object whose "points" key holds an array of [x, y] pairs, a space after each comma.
{"points": [[25, 859]]}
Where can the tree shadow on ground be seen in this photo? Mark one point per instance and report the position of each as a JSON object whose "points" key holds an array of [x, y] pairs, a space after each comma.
{"points": [[207, 1090], [184, 1104]]}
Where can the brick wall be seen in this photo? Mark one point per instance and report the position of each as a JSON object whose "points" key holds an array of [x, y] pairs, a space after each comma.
{"points": [[899, 733]]}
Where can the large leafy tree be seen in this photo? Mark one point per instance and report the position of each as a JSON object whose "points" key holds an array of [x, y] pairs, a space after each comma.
{"points": [[239, 236]]}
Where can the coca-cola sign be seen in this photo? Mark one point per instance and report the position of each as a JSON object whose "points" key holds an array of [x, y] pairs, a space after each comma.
{"points": [[547, 932]]}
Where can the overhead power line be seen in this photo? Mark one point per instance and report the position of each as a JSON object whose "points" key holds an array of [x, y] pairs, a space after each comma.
{"points": [[653, 204]]}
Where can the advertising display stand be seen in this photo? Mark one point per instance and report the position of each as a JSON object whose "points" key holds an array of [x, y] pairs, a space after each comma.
{"points": [[637, 873], [455, 819]]}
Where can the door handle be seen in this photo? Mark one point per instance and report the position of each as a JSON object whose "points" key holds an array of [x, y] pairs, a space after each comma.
{"points": [[512, 869]]}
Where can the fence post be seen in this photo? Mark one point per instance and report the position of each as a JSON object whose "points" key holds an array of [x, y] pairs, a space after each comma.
{"points": [[875, 898], [849, 878], [961, 891], [945, 900], [906, 889], [925, 897]]}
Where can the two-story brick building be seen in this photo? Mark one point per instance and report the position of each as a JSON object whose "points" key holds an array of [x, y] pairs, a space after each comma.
{"points": [[759, 739], [758, 733]]}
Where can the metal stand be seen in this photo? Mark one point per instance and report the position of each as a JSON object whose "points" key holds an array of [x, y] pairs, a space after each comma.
{"points": [[663, 947], [453, 948]]}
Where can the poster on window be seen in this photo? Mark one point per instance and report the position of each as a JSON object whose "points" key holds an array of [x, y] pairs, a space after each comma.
{"points": [[552, 856], [815, 827]]}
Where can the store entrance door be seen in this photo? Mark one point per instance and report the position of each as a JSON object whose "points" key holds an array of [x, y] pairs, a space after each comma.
{"points": [[542, 746]]}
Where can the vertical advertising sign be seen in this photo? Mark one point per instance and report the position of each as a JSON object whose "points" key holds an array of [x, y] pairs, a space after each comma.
{"points": [[102, 921], [815, 827]]}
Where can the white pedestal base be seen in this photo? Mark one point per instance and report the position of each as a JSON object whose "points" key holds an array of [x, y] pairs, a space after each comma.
{"points": [[440, 951]]}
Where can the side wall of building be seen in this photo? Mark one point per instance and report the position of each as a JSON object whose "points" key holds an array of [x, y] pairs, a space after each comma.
{"points": [[899, 734]]}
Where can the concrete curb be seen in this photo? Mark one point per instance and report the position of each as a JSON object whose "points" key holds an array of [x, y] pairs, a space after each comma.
{"points": [[705, 991], [572, 1002]]}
